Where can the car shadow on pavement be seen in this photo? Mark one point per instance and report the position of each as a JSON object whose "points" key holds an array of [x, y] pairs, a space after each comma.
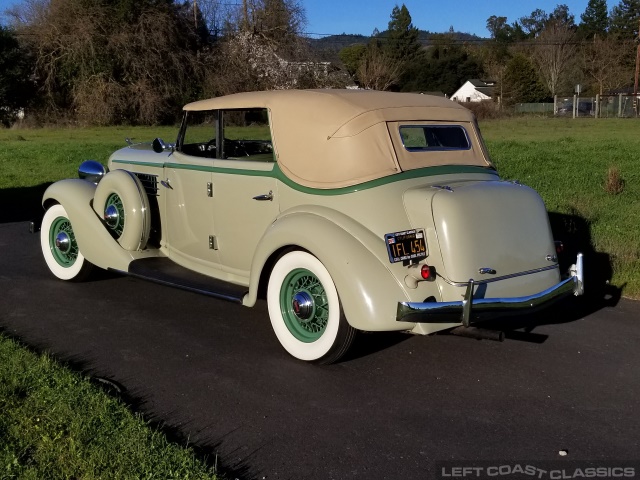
{"points": [[25, 202], [574, 232]]}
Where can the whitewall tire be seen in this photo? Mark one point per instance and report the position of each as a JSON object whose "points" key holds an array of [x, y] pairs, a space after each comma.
{"points": [[122, 202], [305, 311], [60, 248]]}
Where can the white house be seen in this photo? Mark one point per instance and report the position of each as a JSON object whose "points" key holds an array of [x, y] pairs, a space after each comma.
{"points": [[474, 90]]}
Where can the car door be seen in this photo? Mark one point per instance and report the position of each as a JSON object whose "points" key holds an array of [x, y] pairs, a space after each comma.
{"points": [[245, 204], [187, 180], [245, 196]]}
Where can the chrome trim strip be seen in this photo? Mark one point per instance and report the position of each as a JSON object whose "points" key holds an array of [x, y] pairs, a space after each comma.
{"points": [[470, 310], [489, 280]]}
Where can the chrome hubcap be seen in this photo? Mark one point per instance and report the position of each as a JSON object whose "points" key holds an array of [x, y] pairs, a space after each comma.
{"points": [[302, 304], [63, 242], [111, 216]]}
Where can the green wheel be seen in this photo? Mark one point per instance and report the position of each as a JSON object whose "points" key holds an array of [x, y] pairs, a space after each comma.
{"points": [[60, 247], [114, 214], [305, 310], [304, 305]]}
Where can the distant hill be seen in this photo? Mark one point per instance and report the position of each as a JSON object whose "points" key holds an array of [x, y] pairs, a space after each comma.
{"points": [[335, 43]]}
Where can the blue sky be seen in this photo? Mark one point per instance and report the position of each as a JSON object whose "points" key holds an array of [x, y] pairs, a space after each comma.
{"points": [[362, 16], [469, 16]]}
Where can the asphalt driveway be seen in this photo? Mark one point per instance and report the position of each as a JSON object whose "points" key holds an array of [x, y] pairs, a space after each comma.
{"points": [[214, 373]]}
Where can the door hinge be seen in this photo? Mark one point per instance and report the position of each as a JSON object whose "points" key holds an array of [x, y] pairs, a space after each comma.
{"points": [[213, 242], [209, 189]]}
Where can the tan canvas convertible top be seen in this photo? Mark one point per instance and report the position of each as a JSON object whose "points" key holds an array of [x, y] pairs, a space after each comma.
{"points": [[337, 138]]}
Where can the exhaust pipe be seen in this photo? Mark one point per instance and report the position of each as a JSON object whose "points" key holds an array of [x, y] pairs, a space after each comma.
{"points": [[478, 333]]}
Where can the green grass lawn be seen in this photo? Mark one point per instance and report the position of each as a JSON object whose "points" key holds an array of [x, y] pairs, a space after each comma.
{"points": [[567, 161]]}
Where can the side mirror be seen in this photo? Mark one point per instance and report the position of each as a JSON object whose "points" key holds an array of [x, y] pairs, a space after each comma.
{"points": [[159, 146]]}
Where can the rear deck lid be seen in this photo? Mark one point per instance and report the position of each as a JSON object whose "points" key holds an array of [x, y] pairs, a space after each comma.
{"points": [[494, 225]]}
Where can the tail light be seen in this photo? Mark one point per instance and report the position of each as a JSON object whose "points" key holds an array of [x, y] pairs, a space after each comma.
{"points": [[427, 272], [419, 273]]}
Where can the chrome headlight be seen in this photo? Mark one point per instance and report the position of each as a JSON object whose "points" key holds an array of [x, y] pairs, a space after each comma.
{"points": [[91, 171]]}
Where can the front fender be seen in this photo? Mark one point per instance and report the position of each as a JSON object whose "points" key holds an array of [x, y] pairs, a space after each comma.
{"points": [[368, 290], [94, 241]]}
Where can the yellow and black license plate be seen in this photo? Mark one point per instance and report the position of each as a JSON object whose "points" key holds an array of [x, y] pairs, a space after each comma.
{"points": [[405, 246]]}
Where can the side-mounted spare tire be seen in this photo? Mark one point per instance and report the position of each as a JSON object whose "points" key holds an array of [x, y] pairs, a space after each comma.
{"points": [[122, 202]]}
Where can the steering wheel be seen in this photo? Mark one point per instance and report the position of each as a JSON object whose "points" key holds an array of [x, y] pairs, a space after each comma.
{"points": [[235, 148]]}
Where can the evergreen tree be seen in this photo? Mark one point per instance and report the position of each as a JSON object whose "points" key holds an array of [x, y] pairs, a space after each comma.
{"points": [[402, 36], [595, 19], [521, 83], [447, 66], [624, 19]]}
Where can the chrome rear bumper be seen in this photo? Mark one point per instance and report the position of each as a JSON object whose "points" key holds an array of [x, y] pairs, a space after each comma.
{"points": [[472, 309]]}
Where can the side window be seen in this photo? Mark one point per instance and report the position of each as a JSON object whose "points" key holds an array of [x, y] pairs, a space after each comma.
{"points": [[199, 134], [246, 135], [434, 137]]}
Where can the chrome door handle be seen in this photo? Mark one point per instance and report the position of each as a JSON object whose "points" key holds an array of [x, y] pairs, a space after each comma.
{"points": [[262, 198]]}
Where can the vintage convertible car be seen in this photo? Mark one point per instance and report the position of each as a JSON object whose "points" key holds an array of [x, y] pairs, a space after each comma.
{"points": [[348, 210]]}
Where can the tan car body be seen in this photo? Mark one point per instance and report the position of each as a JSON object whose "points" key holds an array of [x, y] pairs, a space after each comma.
{"points": [[341, 180]]}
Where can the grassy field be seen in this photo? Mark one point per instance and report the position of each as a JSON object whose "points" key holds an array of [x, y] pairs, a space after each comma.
{"points": [[568, 162], [56, 424]]}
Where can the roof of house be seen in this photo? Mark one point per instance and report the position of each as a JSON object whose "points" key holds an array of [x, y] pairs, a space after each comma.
{"points": [[486, 87]]}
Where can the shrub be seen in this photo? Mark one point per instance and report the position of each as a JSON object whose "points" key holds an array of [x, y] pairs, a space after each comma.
{"points": [[486, 110], [614, 183]]}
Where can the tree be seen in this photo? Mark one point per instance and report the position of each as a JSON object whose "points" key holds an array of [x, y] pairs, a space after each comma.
{"points": [[499, 29], [16, 86], [594, 20], [561, 16], [520, 83], [624, 19], [108, 70], [503, 36], [279, 21], [553, 52], [534, 24], [446, 67], [378, 70], [352, 56], [606, 62], [402, 37]]}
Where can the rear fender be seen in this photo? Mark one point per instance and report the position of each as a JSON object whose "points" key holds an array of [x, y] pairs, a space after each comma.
{"points": [[368, 291], [94, 241]]}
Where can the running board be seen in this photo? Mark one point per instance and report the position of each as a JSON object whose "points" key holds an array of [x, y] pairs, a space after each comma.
{"points": [[166, 272]]}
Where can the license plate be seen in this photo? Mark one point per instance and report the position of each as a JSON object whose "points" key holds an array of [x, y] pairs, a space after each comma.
{"points": [[407, 245]]}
